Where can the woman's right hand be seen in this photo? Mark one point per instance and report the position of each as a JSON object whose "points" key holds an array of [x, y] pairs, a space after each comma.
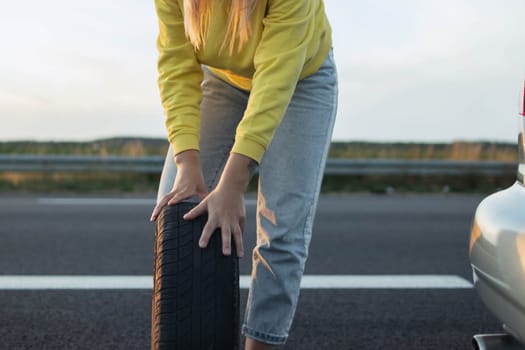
{"points": [[189, 181]]}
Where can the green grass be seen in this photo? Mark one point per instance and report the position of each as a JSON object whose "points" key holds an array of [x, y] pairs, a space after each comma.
{"points": [[141, 183], [99, 182], [459, 150]]}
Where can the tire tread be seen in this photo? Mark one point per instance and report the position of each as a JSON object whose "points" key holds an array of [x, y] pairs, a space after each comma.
{"points": [[195, 302]]}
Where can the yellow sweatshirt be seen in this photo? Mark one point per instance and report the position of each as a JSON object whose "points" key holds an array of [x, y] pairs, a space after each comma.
{"points": [[290, 40]]}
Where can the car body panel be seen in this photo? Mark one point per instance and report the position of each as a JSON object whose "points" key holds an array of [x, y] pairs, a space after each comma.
{"points": [[497, 247], [497, 256]]}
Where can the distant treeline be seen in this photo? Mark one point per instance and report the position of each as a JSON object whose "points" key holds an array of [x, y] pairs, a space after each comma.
{"points": [[459, 150], [128, 146], [149, 146]]}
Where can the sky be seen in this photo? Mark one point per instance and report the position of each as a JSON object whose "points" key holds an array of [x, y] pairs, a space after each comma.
{"points": [[409, 70]]}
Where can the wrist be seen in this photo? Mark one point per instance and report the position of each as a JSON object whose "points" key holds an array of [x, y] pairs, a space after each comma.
{"points": [[188, 158], [236, 174]]}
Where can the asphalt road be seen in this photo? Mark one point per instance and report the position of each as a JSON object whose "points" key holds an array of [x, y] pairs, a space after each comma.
{"points": [[353, 235]]}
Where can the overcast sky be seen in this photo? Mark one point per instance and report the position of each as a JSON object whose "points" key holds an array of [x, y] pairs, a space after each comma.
{"points": [[409, 70]]}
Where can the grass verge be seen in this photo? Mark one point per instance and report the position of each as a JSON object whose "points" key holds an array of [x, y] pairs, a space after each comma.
{"points": [[137, 183]]}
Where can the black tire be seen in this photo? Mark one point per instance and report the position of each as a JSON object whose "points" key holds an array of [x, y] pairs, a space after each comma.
{"points": [[195, 291]]}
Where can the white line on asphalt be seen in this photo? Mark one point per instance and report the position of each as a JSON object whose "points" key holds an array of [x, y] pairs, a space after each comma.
{"points": [[85, 282], [96, 201], [109, 201], [384, 282]]}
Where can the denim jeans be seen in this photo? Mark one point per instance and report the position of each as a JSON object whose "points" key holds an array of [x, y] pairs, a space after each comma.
{"points": [[290, 175]]}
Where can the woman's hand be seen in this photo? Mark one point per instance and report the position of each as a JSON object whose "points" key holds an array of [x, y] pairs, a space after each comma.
{"points": [[188, 182], [225, 205], [226, 211]]}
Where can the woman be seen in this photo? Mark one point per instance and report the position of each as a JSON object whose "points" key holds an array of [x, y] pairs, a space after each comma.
{"points": [[249, 84]]}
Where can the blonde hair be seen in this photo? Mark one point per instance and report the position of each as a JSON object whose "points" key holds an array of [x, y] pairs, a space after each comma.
{"points": [[197, 19]]}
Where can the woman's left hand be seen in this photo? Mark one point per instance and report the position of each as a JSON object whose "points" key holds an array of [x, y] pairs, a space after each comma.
{"points": [[225, 205]]}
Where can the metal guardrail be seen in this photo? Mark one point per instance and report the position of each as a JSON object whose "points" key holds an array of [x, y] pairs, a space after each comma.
{"points": [[73, 164], [418, 167], [153, 164]]}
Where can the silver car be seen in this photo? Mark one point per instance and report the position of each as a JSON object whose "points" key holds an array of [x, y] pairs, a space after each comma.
{"points": [[497, 256]]}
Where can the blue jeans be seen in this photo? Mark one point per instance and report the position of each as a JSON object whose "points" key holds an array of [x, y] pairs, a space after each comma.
{"points": [[290, 175]]}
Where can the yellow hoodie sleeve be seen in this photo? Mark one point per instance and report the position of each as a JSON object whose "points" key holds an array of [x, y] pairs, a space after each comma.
{"points": [[179, 78], [279, 60]]}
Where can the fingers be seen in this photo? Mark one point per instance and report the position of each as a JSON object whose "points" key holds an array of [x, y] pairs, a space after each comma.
{"points": [[225, 213], [242, 220], [207, 231], [177, 198], [202, 191], [171, 198], [156, 211], [226, 238], [237, 238], [200, 209], [168, 199]]}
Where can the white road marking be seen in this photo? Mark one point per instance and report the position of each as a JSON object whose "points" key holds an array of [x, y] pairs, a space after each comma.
{"points": [[384, 282], [96, 201], [109, 201], [110, 282]]}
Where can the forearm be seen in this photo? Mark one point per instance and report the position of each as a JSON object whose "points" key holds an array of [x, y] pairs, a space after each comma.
{"points": [[188, 166], [236, 174]]}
